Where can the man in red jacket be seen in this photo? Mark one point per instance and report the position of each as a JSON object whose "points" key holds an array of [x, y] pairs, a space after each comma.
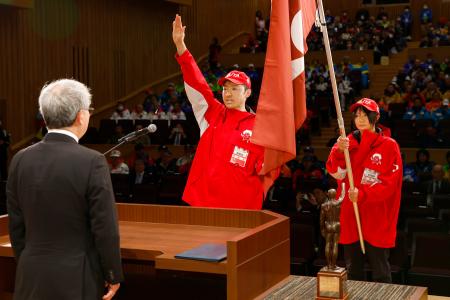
{"points": [[226, 165], [377, 173]]}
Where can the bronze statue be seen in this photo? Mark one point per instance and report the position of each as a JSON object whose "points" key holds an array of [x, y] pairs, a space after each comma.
{"points": [[330, 225]]}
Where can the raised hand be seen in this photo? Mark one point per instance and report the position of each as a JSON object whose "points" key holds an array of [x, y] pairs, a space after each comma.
{"points": [[178, 34]]}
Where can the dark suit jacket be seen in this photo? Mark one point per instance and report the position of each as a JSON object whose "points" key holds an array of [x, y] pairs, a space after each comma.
{"points": [[443, 189], [62, 221]]}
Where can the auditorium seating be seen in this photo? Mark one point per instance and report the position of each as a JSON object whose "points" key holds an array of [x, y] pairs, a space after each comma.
{"points": [[430, 265], [422, 225]]}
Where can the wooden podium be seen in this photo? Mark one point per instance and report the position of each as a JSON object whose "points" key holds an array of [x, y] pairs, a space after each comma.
{"points": [[257, 244]]}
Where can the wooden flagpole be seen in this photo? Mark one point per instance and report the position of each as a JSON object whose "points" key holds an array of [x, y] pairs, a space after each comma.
{"points": [[323, 27]]}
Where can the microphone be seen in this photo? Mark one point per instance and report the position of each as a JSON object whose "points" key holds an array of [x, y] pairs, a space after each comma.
{"points": [[138, 133]]}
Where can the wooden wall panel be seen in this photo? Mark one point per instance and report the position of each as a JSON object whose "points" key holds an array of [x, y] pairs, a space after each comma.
{"points": [[114, 46]]}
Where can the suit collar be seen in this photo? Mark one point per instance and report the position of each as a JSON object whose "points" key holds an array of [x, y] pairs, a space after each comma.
{"points": [[58, 137]]}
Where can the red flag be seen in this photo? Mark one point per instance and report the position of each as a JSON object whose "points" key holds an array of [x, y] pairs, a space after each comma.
{"points": [[282, 102]]}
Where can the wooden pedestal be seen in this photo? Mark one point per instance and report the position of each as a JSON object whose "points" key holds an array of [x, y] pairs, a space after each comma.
{"points": [[332, 284]]}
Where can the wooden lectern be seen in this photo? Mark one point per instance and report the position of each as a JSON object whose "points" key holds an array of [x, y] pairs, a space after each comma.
{"points": [[151, 235]]}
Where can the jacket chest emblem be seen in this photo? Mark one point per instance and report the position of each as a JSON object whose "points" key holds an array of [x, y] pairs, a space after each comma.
{"points": [[246, 135], [376, 158]]}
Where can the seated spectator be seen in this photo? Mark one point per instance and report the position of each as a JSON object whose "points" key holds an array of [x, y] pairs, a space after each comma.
{"points": [[117, 165], [184, 162], [140, 174], [139, 113], [409, 172], [148, 100], [432, 93], [410, 96], [429, 138], [151, 105], [307, 171], [423, 166], [176, 113], [438, 185], [307, 202], [391, 95], [417, 112], [165, 164], [441, 113], [121, 112], [178, 136], [168, 93], [142, 154], [118, 133], [143, 139]]}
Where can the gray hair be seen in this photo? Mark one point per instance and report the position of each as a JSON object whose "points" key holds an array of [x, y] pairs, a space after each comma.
{"points": [[61, 100]]}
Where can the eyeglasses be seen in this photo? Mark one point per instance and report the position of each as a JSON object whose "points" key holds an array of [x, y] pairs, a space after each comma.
{"points": [[90, 110]]}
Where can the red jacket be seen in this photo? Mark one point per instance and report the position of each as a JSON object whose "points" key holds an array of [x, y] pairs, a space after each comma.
{"points": [[224, 172], [377, 173]]}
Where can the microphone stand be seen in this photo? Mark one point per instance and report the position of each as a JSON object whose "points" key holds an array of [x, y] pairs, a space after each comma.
{"points": [[125, 140]]}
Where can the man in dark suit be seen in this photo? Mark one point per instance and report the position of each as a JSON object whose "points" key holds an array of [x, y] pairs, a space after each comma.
{"points": [[438, 185], [62, 215]]}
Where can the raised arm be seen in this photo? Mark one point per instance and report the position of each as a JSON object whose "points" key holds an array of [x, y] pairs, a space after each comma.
{"points": [[178, 34], [198, 91]]}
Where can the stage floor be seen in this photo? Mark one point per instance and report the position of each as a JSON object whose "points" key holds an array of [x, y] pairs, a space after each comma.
{"points": [[302, 287]]}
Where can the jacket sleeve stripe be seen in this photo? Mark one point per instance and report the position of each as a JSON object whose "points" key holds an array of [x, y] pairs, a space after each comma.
{"points": [[199, 106]]}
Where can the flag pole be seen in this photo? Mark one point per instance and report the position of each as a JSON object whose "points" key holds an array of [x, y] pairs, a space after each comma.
{"points": [[340, 120]]}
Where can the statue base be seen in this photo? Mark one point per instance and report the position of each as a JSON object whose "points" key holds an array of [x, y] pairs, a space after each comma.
{"points": [[332, 284]]}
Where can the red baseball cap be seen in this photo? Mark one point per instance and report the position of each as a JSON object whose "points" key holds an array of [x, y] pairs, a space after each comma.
{"points": [[370, 104], [236, 77]]}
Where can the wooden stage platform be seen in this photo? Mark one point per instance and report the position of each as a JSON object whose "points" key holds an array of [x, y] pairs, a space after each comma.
{"points": [[302, 287]]}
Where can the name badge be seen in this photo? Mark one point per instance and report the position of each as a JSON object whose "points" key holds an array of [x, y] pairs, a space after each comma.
{"points": [[239, 156], [370, 177]]}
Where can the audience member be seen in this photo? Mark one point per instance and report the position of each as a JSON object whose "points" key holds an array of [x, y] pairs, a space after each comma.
{"points": [[409, 172], [117, 165], [426, 15], [121, 112], [308, 170], [140, 174], [417, 112], [184, 162], [406, 20], [118, 133], [423, 166], [178, 136], [176, 113], [139, 113], [143, 139], [165, 164], [140, 153], [438, 185]]}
